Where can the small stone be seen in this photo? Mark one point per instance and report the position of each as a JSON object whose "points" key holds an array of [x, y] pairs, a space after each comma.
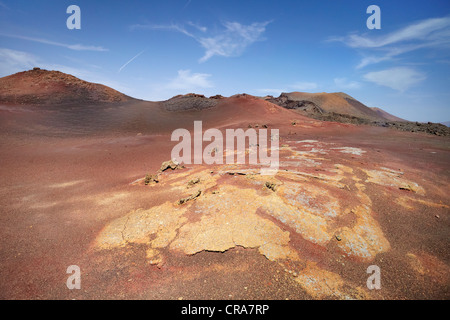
{"points": [[191, 197], [338, 238], [193, 181], [150, 178], [271, 186]]}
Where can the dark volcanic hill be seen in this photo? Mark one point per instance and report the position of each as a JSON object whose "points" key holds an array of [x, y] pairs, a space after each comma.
{"points": [[40, 86], [54, 88], [340, 107], [326, 103]]}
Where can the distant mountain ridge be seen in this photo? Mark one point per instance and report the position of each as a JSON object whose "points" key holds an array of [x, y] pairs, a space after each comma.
{"points": [[54, 88], [338, 103], [340, 107]]}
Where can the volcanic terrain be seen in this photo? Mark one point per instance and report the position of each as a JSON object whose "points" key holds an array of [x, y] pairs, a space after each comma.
{"points": [[340, 107], [40, 86], [87, 180]]}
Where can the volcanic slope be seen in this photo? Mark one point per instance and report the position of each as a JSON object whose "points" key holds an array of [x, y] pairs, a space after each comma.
{"points": [[386, 115], [340, 107], [324, 102], [39, 86], [145, 117]]}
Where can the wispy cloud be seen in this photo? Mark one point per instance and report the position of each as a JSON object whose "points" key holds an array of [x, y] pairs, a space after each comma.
{"points": [[343, 83], [187, 3], [197, 26], [228, 42], [188, 81], [429, 33], [400, 78], [426, 30], [129, 61], [77, 47], [233, 40], [12, 61], [168, 27], [184, 82]]}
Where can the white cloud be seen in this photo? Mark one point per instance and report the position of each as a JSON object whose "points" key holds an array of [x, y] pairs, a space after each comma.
{"points": [[12, 61], [435, 29], [229, 42], [186, 80], [187, 3], [372, 60], [197, 26], [76, 47], [233, 40], [401, 78], [343, 83], [170, 27], [429, 33]]}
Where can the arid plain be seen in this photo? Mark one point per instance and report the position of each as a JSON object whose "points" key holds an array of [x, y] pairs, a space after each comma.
{"points": [[74, 160]]}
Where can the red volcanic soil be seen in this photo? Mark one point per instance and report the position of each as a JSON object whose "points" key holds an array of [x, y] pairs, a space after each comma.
{"points": [[72, 194], [40, 86]]}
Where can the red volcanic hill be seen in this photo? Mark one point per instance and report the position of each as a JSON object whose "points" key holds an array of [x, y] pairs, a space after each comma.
{"points": [[38, 86], [323, 102], [54, 88], [116, 112], [386, 115]]}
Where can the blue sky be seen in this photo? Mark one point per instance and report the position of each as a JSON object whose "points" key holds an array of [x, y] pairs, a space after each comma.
{"points": [[154, 50]]}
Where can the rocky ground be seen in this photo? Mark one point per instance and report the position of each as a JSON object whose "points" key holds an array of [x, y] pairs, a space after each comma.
{"points": [[91, 187]]}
